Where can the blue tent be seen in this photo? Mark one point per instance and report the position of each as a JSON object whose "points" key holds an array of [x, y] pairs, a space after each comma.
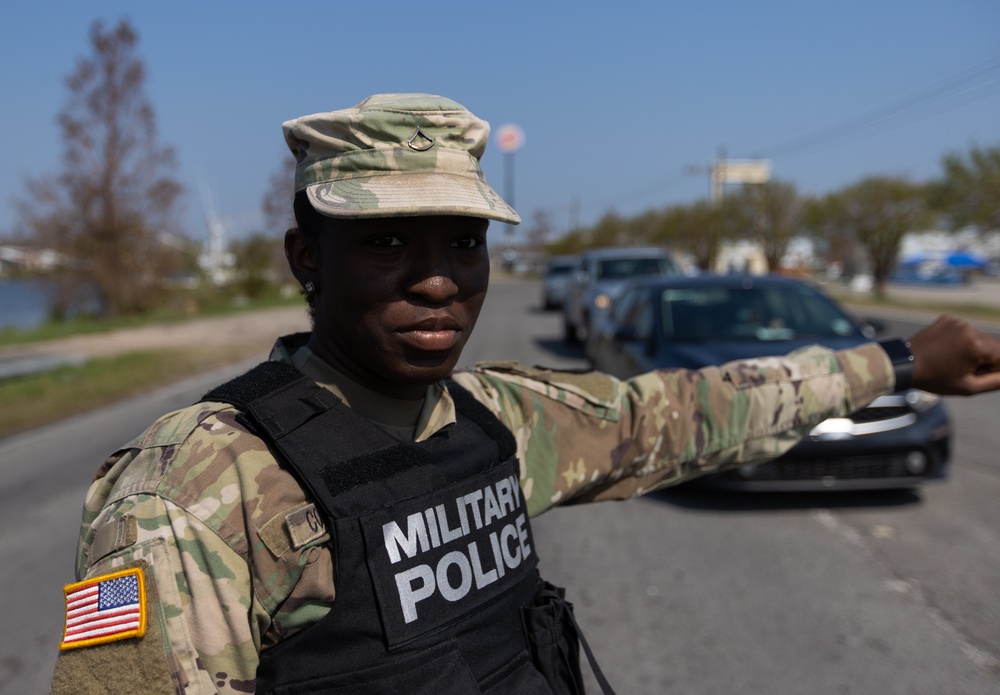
{"points": [[965, 260]]}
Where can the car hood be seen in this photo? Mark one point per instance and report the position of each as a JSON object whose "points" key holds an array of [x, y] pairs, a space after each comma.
{"points": [[695, 355]]}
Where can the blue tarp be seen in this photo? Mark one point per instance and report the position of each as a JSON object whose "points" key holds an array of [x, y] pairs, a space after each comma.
{"points": [[954, 259]]}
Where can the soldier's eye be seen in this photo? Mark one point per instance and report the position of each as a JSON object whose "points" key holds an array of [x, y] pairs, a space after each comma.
{"points": [[467, 243], [386, 241]]}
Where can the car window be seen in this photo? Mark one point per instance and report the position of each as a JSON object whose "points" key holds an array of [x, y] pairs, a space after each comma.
{"points": [[634, 311], [618, 268], [560, 269], [621, 308], [753, 314], [643, 318]]}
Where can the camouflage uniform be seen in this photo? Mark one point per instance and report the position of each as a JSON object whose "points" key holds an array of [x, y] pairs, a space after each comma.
{"points": [[236, 561]]}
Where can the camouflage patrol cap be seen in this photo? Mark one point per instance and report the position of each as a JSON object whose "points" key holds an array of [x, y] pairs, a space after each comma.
{"points": [[395, 155]]}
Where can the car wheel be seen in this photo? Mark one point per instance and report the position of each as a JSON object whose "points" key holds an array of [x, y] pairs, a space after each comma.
{"points": [[569, 331]]}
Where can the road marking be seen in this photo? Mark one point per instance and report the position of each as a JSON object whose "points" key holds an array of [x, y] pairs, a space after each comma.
{"points": [[911, 588]]}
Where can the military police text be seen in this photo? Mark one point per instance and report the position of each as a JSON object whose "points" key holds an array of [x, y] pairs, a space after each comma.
{"points": [[437, 526]]}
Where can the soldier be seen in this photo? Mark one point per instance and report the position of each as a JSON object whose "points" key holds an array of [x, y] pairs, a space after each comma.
{"points": [[351, 516]]}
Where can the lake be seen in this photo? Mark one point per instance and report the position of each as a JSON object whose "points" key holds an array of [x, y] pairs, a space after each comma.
{"points": [[24, 302]]}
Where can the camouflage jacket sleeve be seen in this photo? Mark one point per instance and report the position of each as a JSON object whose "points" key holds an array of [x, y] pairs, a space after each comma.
{"points": [[228, 569], [588, 436]]}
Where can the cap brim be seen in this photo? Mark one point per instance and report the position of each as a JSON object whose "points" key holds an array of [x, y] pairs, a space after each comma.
{"points": [[410, 195]]}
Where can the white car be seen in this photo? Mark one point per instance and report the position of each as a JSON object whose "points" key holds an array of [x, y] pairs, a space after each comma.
{"points": [[600, 278]]}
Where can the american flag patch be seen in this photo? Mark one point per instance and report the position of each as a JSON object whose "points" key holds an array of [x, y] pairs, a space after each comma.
{"points": [[104, 609]]}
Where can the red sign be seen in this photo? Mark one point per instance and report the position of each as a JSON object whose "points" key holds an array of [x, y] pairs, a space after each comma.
{"points": [[509, 138]]}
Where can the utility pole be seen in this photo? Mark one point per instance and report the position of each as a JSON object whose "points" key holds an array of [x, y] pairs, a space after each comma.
{"points": [[715, 190], [509, 139], [724, 170]]}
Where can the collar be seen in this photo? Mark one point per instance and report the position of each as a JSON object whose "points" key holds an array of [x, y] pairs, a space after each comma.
{"points": [[407, 420]]}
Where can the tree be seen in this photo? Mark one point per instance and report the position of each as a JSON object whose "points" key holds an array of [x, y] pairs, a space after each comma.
{"points": [[877, 212], [609, 231], [277, 202], [969, 191], [109, 207], [769, 212], [259, 260], [540, 229], [698, 228]]}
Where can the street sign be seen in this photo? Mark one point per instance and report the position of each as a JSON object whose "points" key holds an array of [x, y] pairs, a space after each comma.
{"points": [[743, 170], [509, 138]]}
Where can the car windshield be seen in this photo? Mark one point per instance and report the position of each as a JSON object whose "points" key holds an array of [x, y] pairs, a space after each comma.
{"points": [[752, 314], [619, 268], [559, 268]]}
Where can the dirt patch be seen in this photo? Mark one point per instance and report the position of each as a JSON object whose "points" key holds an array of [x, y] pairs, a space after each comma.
{"points": [[252, 331]]}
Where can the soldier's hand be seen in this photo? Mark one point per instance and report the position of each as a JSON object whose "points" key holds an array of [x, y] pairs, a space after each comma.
{"points": [[953, 358]]}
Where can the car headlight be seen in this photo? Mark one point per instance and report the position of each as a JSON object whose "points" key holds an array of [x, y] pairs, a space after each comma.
{"points": [[921, 401], [602, 301]]}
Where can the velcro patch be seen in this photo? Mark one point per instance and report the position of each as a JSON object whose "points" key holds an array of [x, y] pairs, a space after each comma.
{"points": [[304, 525], [104, 609], [114, 536]]}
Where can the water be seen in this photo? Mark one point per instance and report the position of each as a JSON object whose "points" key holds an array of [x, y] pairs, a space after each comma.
{"points": [[24, 302]]}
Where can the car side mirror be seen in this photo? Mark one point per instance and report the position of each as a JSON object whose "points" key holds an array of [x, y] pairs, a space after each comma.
{"points": [[871, 328], [581, 276]]}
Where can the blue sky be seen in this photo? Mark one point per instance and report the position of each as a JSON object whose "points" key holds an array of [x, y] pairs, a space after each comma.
{"points": [[617, 100]]}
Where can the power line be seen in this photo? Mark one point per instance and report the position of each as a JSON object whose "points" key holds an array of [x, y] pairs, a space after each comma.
{"points": [[954, 88], [977, 82]]}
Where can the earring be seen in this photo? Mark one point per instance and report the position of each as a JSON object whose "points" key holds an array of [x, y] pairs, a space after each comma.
{"points": [[310, 288]]}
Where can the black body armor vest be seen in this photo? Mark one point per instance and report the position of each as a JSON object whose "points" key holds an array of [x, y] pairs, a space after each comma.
{"points": [[435, 566]]}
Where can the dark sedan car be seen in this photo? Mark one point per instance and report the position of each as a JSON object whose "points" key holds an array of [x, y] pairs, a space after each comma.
{"points": [[898, 441]]}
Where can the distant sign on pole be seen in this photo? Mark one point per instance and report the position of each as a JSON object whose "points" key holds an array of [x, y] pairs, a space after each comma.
{"points": [[743, 170], [509, 138]]}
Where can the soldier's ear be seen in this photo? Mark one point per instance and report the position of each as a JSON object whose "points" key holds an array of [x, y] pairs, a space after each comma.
{"points": [[303, 255]]}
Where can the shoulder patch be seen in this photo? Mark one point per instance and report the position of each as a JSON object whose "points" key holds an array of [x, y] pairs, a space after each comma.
{"points": [[305, 525], [293, 530], [104, 609]]}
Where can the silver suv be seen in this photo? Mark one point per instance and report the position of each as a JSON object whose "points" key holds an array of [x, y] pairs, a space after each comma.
{"points": [[558, 275], [601, 276]]}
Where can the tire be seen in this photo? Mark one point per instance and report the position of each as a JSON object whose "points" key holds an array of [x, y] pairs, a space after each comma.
{"points": [[569, 332]]}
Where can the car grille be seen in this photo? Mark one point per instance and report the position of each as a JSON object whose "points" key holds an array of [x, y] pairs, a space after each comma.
{"points": [[881, 413], [845, 468]]}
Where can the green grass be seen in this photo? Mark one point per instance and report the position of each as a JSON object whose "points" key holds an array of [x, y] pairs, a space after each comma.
{"points": [[37, 399], [983, 312]]}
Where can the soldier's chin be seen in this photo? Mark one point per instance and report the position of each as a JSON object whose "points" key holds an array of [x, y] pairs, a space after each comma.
{"points": [[429, 368]]}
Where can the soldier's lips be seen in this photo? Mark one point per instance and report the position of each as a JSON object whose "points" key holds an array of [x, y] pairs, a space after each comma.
{"points": [[431, 340], [431, 335]]}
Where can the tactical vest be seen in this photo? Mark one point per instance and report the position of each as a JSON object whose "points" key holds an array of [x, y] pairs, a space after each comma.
{"points": [[434, 562]]}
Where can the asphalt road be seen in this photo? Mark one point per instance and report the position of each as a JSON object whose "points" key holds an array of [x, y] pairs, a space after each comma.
{"points": [[683, 591]]}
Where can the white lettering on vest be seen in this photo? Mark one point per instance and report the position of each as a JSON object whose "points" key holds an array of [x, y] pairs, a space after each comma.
{"points": [[492, 508], [432, 527], [471, 500], [482, 578], [474, 568], [510, 548], [459, 560], [447, 534], [511, 557], [408, 595], [415, 537]]}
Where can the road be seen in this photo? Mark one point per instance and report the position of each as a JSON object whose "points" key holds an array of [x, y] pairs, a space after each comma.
{"points": [[683, 591]]}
